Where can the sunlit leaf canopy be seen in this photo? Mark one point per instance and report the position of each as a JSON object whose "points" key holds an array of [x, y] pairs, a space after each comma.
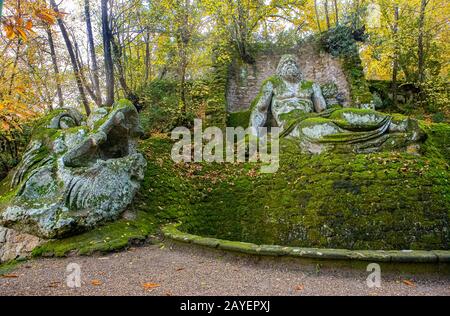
{"points": [[183, 40]]}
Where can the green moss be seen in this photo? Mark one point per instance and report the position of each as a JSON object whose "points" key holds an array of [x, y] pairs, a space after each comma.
{"points": [[315, 120], [7, 267], [239, 119], [339, 200], [359, 88], [438, 141], [306, 85], [110, 237], [338, 113]]}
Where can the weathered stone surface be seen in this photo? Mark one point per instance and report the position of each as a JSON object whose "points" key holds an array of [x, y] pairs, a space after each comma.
{"points": [[74, 177], [443, 256], [243, 247], [401, 256], [413, 256], [16, 245]]}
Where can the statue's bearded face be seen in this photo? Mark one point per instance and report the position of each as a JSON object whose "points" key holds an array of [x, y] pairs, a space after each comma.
{"points": [[289, 70]]}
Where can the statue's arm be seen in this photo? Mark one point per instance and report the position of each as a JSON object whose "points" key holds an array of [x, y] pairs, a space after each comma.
{"points": [[318, 99], [258, 116]]}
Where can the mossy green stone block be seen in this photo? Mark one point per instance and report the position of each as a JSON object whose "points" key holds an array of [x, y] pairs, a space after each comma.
{"points": [[442, 255], [371, 255], [335, 254], [207, 242], [273, 250], [170, 229], [183, 237], [239, 119], [306, 252], [413, 256], [238, 246]]}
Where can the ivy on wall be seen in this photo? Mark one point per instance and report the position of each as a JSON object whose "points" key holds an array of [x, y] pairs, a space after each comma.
{"points": [[340, 42]]}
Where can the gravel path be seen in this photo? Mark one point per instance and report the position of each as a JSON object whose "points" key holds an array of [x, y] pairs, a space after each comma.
{"points": [[184, 270]]}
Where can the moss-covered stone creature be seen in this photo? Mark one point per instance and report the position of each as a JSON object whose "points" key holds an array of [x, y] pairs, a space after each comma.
{"points": [[312, 114], [75, 173]]}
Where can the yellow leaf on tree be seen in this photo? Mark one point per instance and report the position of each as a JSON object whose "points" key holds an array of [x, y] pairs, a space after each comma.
{"points": [[21, 33], [46, 15], [29, 25]]}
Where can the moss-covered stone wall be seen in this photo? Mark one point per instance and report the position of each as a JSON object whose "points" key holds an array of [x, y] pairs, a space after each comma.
{"points": [[378, 201]]}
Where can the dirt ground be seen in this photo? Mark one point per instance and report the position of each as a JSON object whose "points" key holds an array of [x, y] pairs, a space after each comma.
{"points": [[175, 269]]}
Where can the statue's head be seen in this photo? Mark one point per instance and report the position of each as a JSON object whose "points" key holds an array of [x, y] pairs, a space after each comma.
{"points": [[288, 69], [75, 173]]}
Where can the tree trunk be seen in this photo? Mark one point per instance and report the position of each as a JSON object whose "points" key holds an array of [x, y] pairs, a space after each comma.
{"points": [[109, 66], [183, 39], [336, 11], [327, 15], [317, 16], [183, 88], [396, 55], [147, 56], [420, 53], [95, 76], [80, 64], [182, 75], [73, 60], [13, 76], [55, 66], [117, 52]]}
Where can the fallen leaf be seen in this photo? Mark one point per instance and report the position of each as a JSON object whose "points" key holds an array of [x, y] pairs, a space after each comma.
{"points": [[9, 276], [96, 282], [179, 269], [408, 283], [54, 284], [150, 286], [299, 287]]}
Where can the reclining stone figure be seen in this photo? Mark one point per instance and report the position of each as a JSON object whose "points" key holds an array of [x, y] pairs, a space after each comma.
{"points": [[316, 119]]}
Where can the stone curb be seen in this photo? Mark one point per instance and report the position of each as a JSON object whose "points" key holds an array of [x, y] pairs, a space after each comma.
{"points": [[395, 256]]}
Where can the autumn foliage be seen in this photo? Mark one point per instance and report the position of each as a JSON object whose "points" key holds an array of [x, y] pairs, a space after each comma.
{"points": [[19, 20], [22, 15]]}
